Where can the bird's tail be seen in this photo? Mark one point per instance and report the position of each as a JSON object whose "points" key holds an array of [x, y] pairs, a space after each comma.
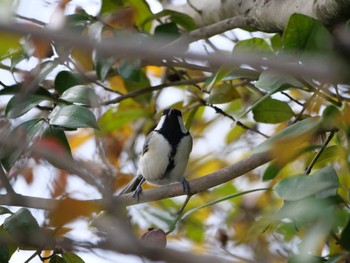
{"points": [[132, 186]]}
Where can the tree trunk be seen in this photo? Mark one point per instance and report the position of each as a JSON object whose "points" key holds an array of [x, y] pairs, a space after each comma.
{"points": [[268, 15]]}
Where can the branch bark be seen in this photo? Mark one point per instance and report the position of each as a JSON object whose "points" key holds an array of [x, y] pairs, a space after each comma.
{"points": [[134, 46], [268, 15], [197, 185]]}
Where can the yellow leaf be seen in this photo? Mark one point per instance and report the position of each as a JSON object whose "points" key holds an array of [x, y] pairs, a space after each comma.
{"points": [[234, 134], [83, 59], [117, 83], [78, 139], [46, 254], [114, 143], [210, 166], [155, 71], [9, 43], [287, 149]]}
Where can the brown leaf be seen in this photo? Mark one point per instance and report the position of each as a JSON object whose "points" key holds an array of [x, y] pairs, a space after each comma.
{"points": [[59, 184], [123, 18], [69, 209], [43, 48]]}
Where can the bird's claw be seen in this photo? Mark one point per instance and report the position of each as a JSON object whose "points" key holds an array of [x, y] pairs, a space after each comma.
{"points": [[186, 186], [137, 193]]}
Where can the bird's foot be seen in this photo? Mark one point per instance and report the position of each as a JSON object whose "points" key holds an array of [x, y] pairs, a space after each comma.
{"points": [[137, 192], [186, 186]]}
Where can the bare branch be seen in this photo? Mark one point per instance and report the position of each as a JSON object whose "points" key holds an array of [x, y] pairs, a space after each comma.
{"points": [[134, 46], [154, 88], [5, 181], [197, 185]]}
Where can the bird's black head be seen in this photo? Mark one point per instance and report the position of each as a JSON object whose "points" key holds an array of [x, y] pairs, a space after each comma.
{"points": [[172, 113], [171, 125]]}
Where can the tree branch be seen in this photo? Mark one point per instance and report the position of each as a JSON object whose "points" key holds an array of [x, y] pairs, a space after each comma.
{"points": [[197, 185], [268, 15], [135, 46], [154, 88]]}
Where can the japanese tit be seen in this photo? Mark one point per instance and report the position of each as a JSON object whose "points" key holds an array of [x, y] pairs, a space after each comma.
{"points": [[165, 154]]}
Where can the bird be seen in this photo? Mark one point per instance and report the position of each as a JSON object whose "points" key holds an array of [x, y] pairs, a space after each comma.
{"points": [[165, 154]]}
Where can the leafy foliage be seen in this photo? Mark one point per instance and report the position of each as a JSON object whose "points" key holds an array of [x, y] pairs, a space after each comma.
{"points": [[73, 126]]}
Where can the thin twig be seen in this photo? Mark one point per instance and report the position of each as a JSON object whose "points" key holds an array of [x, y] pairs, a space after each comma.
{"points": [[240, 124], [307, 102], [5, 181], [291, 98], [32, 20], [154, 88], [179, 215], [309, 168], [320, 92]]}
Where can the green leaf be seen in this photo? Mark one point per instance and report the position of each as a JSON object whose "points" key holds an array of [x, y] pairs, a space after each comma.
{"points": [[130, 69], [181, 19], [216, 78], [81, 95], [57, 259], [223, 93], [190, 118], [18, 105], [78, 19], [66, 79], [4, 253], [71, 257], [22, 226], [299, 129], [272, 111], [257, 45], [169, 30], [330, 154], [127, 112], [323, 183], [109, 6], [276, 42], [103, 66], [272, 81], [271, 171], [345, 237], [304, 33], [73, 117], [137, 85], [6, 248], [17, 88], [142, 10], [242, 73], [4, 210], [59, 135], [306, 259], [226, 73], [28, 129]]}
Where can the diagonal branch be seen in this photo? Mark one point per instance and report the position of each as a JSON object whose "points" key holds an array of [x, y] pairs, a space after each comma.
{"points": [[200, 184]]}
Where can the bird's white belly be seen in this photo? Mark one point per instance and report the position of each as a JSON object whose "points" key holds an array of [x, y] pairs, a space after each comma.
{"points": [[154, 162]]}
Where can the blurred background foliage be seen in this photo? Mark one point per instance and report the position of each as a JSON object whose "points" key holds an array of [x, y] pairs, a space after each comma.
{"points": [[67, 108]]}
